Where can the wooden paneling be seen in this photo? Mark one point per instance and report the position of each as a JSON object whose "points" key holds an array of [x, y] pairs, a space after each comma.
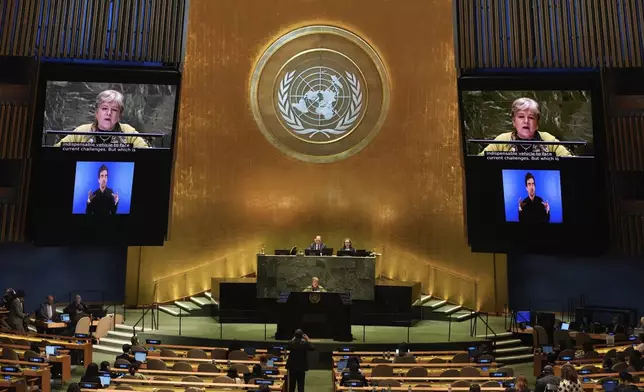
{"points": [[550, 33], [125, 30]]}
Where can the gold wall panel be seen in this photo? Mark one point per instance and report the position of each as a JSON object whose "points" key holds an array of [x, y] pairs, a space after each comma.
{"points": [[233, 190]]}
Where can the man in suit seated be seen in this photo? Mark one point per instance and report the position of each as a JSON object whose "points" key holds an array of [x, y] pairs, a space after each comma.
{"points": [[47, 310], [77, 309], [317, 243], [315, 286]]}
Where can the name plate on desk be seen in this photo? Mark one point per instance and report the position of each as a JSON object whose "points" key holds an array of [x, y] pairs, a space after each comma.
{"points": [[278, 274]]}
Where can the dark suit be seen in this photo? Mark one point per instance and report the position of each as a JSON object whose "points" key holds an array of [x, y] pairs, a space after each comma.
{"points": [[533, 211], [41, 314], [319, 247], [542, 382], [298, 363], [17, 315], [73, 309], [352, 249]]}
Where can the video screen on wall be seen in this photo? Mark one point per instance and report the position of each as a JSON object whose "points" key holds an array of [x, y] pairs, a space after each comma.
{"points": [[103, 155], [531, 165]]}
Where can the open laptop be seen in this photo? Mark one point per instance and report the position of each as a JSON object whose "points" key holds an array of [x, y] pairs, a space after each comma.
{"points": [[565, 326], [50, 350], [140, 356], [105, 379], [64, 318]]}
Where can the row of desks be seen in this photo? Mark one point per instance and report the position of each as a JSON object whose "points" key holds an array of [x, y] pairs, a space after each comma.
{"points": [[70, 344]]}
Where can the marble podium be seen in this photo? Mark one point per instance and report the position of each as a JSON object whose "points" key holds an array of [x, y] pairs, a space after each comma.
{"points": [[278, 274]]}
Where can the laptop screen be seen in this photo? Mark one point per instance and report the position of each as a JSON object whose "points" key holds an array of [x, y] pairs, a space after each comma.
{"points": [[140, 356], [342, 365], [547, 349], [565, 326], [64, 318], [270, 363], [105, 378], [50, 350]]}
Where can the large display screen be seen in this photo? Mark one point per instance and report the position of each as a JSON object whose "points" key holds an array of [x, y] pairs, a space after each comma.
{"points": [[103, 155], [531, 163]]}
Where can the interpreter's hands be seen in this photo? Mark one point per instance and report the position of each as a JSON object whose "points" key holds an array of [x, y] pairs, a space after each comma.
{"points": [[547, 205], [116, 197], [90, 196], [520, 205]]}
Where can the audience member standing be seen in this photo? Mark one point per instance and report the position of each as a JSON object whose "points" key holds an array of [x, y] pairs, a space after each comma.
{"points": [[17, 312], [298, 361]]}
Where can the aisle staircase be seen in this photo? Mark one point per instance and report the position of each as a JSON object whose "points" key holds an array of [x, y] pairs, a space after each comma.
{"points": [[113, 342], [432, 308], [196, 305], [508, 349]]}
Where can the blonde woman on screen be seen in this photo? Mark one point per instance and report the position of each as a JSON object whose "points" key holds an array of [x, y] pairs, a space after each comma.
{"points": [[109, 108], [525, 119]]}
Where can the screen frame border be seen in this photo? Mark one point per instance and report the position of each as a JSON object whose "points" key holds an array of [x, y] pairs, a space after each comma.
{"points": [[92, 73], [588, 80]]}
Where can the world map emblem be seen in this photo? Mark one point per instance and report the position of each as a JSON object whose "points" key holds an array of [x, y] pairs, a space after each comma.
{"points": [[319, 93]]}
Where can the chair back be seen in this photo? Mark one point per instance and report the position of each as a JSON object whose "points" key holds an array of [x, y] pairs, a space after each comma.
{"points": [[592, 354], [182, 367], [451, 373], [541, 335], [161, 379], [197, 353], [223, 380], [437, 360], [566, 353], [461, 383], [405, 359], [417, 372], [138, 349], [192, 379], [238, 355], [124, 387], [380, 360], [241, 368], [104, 325], [491, 384], [382, 371], [620, 367], [469, 371], [388, 383], [207, 368], [219, 353], [581, 338], [30, 354], [461, 358], [168, 353], [82, 326], [121, 361], [10, 354], [156, 364], [590, 368]]}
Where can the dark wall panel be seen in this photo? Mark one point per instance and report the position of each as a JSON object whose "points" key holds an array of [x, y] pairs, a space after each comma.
{"points": [[56, 271], [548, 282]]}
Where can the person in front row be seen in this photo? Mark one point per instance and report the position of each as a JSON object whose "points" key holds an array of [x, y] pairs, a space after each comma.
{"points": [[317, 243], [103, 201], [109, 108], [348, 246], [525, 119], [47, 310], [533, 209], [315, 286], [297, 363]]}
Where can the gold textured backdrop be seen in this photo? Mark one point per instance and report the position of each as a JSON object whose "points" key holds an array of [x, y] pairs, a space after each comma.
{"points": [[233, 191]]}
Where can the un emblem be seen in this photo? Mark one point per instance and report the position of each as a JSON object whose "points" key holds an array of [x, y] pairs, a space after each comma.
{"points": [[319, 93]]}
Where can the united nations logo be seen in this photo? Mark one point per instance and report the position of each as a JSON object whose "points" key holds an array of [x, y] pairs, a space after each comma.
{"points": [[314, 298], [319, 93]]}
